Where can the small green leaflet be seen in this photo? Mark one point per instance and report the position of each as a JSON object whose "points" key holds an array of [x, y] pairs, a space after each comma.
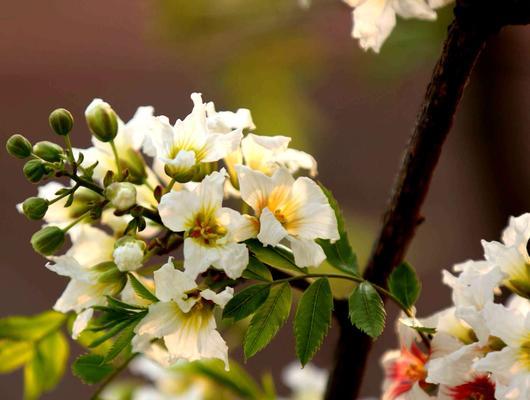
{"points": [[246, 302], [268, 319], [312, 319], [46, 368], [91, 368], [340, 253], [404, 285], [140, 289], [277, 257], [367, 311], [257, 271]]}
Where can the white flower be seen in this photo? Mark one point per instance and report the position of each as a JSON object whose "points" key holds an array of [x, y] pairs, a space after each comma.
{"points": [[183, 147], [183, 318], [212, 231], [308, 383], [122, 195], [227, 121], [268, 153], [295, 210], [510, 366], [472, 290], [83, 264], [128, 254], [511, 256], [374, 20]]}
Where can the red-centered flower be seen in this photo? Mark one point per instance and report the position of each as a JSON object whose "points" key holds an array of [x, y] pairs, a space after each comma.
{"points": [[480, 388], [405, 371]]}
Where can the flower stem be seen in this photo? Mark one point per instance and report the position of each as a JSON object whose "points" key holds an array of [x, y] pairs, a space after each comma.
{"points": [[69, 151], [76, 221], [112, 376]]}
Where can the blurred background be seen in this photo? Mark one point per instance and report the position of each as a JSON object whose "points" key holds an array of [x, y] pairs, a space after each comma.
{"points": [[302, 75]]}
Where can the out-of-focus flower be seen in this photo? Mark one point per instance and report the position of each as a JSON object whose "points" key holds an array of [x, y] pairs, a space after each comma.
{"points": [[212, 231], [183, 318], [374, 20], [295, 210], [89, 267], [190, 144], [308, 383]]}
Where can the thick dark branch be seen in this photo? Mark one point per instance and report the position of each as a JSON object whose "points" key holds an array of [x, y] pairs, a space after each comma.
{"points": [[475, 21]]}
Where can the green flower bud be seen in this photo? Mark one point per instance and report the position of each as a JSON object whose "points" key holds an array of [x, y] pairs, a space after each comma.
{"points": [[18, 146], [35, 207], [48, 151], [34, 170], [180, 174], [122, 195], [48, 240], [61, 121], [108, 272], [102, 120]]}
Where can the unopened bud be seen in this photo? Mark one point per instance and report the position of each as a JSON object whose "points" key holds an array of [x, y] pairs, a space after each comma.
{"points": [[48, 151], [35, 207], [18, 146], [107, 272], [122, 195], [48, 240], [61, 121], [102, 120], [128, 253], [34, 170]]}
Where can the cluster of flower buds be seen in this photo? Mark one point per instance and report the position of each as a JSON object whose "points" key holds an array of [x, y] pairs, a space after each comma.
{"points": [[480, 346]]}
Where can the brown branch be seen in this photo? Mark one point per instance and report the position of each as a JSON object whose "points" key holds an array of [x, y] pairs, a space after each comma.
{"points": [[475, 21]]}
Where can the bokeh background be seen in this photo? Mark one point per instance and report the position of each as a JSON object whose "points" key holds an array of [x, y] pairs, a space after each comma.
{"points": [[303, 76]]}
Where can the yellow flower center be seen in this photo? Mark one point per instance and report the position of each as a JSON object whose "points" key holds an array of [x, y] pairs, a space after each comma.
{"points": [[524, 353], [206, 229]]}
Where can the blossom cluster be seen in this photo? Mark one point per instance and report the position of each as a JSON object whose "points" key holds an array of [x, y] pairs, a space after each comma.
{"points": [[480, 347], [122, 214]]}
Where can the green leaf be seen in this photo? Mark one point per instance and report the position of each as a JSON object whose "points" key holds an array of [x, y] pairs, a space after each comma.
{"points": [[117, 328], [312, 319], [30, 328], [257, 270], [121, 342], [141, 290], [14, 354], [115, 303], [246, 301], [237, 380], [44, 371], [340, 253], [268, 319], [367, 311], [91, 369], [404, 285], [277, 257]]}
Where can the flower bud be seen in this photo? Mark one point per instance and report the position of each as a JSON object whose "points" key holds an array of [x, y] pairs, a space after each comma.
{"points": [[35, 207], [18, 146], [61, 121], [122, 195], [48, 151], [34, 170], [128, 253], [102, 120], [107, 272], [48, 240]]}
